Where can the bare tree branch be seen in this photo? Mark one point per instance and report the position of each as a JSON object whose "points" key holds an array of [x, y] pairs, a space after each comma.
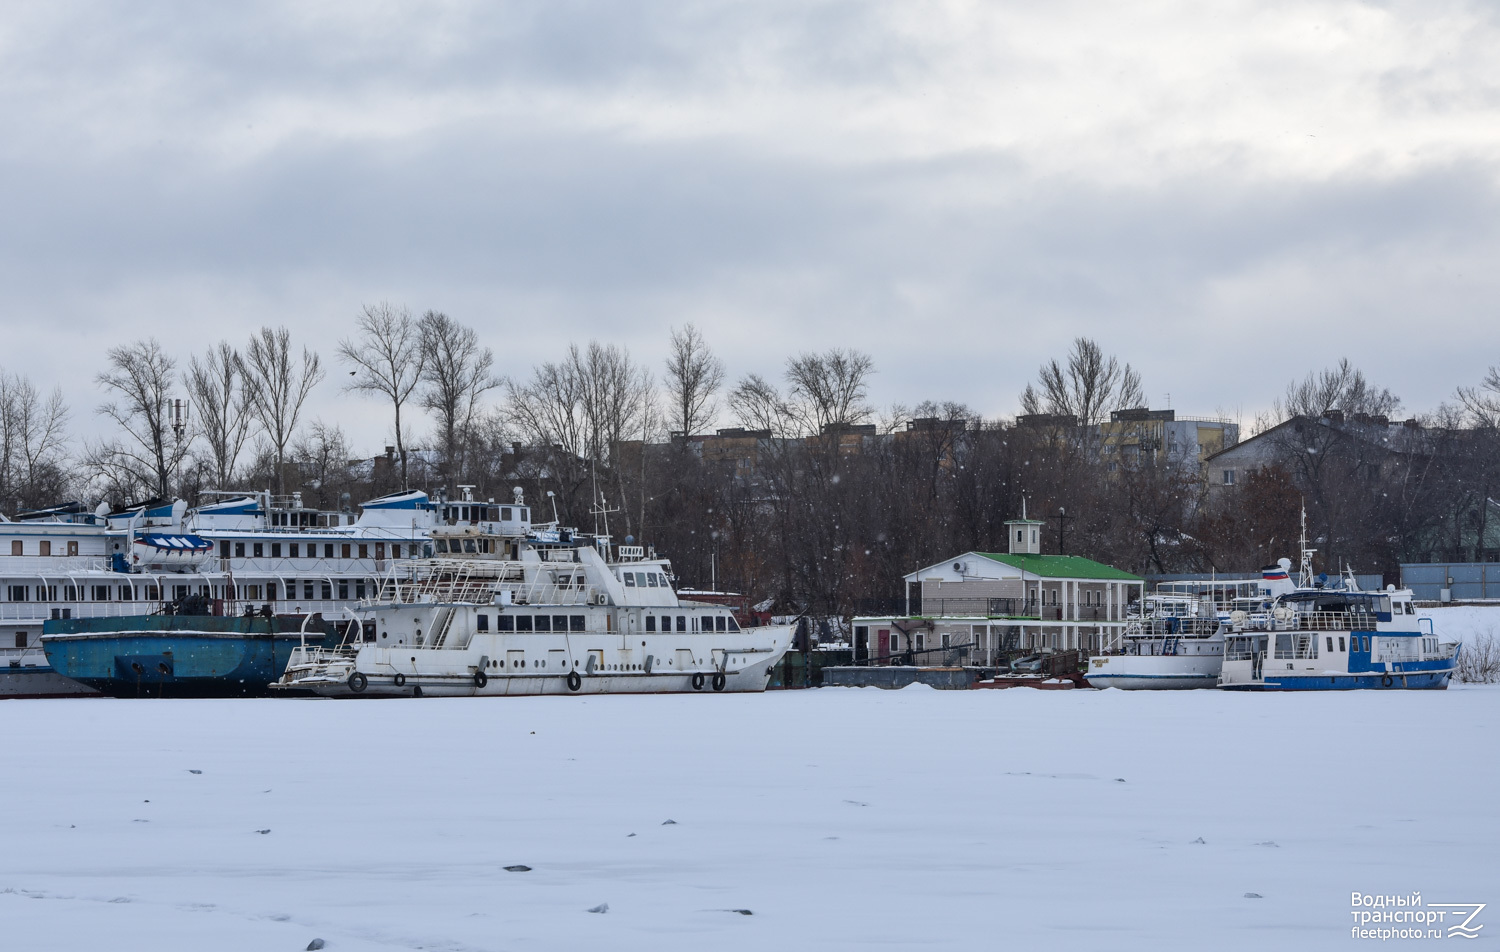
{"points": [[388, 361]]}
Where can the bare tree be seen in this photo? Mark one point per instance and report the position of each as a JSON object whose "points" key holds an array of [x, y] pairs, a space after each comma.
{"points": [[278, 386], [457, 372], [216, 387], [1483, 402], [829, 388], [694, 375], [1087, 386], [33, 435], [758, 405], [388, 360], [322, 455], [140, 380], [1343, 387]]}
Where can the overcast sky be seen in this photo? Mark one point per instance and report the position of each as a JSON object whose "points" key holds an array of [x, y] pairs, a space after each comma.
{"points": [[1226, 195]]}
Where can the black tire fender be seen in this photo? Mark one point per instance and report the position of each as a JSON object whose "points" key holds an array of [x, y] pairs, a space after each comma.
{"points": [[698, 681], [358, 682], [481, 679], [719, 680], [400, 680], [1386, 681], [574, 681]]}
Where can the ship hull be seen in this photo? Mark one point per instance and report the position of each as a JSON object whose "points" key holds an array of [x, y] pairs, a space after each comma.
{"points": [[166, 656], [40, 680], [1155, 672], [525, 666]]}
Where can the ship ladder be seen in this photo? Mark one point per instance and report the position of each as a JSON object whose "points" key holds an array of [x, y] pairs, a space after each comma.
{"points": [[1169, 646], [443, 624]]}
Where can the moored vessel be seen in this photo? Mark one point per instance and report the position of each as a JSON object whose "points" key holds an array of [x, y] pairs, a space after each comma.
{"points": [[177, 655], [521, 610]]}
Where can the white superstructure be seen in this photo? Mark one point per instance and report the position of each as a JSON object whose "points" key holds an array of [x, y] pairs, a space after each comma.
{"points": [[250, 551]]}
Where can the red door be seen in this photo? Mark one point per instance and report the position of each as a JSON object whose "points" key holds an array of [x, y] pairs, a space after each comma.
{"points": [[883, 644]]}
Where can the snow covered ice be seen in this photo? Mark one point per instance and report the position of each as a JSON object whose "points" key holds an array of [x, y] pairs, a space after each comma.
{"points": [[839, 818]]}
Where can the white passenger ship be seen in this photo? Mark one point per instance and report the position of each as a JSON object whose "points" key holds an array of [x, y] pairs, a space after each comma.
{"points": [[508, 609], [1174, 640], [247, 551]]}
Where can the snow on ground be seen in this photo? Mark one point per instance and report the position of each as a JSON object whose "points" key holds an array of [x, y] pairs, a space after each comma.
{"points": [[841, 818]]}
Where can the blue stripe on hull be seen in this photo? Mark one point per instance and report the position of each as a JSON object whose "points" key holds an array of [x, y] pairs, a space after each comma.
{"points": [[1426, 680]]}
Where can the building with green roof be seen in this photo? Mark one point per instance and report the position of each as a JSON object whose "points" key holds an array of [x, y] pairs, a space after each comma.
{"points": [[977, 607]]}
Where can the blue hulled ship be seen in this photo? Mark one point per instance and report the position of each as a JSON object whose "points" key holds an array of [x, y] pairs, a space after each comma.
{"points": [[179, 655]]}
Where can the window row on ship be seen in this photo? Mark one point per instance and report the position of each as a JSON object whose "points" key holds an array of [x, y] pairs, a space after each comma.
{"points": [[532, 622], [289, 590], [309, 550]]}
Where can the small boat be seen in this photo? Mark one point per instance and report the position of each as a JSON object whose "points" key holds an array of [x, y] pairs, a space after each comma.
{"points": [[177, 655], [1327, 635], [1176, 642], [1337, 639]]}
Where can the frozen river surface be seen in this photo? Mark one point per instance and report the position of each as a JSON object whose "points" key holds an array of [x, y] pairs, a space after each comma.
{"points": [[839, 818]]}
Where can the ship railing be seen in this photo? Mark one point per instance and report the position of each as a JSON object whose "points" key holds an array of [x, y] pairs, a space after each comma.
{"points": [[52, 566], [480, 581], [1326, 621], [1170, 627]]}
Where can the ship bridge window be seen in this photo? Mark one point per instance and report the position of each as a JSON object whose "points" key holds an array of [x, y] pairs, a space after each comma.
{"points": [[1341, 642], [20, 639], [1411, 609], [629, 578], [651, 579], [293, 550], [441, 544], [260, 550], [559, 622], [543, 622], [505, 514], [482, 623], [523, 623], [505, 623], [651, 623], [682, 623], [576, 622], [470, 547], [239, 550], [733, 625]]}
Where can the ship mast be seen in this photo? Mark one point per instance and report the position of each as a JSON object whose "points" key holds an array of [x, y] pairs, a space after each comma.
{"points": [[1306, 580]]}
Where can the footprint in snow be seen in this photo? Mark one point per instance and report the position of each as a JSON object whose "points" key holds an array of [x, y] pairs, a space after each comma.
{"points": [[629, 835], [262, 832], [1200, 841], [518, 868], [314, 945], [669, 823], [192, 771], [602, 907], [1253, 896], [857, 803], [1267, 843]]}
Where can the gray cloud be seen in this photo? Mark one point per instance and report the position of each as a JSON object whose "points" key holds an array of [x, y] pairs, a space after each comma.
{"points": [[803, 176]]}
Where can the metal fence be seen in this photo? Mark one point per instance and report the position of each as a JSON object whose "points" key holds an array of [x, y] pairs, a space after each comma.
{"points": [[1465, 581]]}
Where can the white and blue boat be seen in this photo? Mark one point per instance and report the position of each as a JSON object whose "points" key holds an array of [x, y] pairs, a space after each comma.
{"points": [[1330, 636], [1338, 639]]}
